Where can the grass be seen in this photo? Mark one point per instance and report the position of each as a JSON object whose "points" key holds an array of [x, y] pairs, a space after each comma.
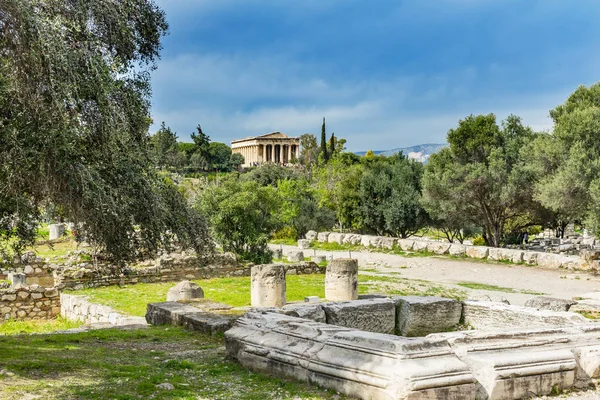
{"points": [[494, 288], [336, 246], [13, 327], [133, 299], [122, 364], [394, 285], [286, 241]]}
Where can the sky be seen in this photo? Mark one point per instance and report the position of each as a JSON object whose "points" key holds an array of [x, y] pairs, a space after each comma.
{"points": [[384, 73]]}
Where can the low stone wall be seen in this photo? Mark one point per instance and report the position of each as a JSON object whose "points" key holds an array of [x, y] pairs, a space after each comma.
{"points": [[79, 308], [29, 302], [166, 269], [516, 256]]}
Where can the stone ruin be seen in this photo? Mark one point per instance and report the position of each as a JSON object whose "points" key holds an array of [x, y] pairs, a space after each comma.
{"points": [[406, 347], [400, 347]]}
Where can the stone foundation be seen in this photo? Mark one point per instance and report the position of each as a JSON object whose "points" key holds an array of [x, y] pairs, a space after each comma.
{"points": [[29, 302], [511, 364]]}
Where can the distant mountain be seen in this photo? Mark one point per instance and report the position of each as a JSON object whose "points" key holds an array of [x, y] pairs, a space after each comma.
{"points": [[420, 152]]}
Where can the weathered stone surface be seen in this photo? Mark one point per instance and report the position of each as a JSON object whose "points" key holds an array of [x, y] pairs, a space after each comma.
{"points": [[56, 231], [480, 252], [181, 314], [367, 240], [295, 256], [351, 238], [406, 244], [277, 254], [457, 249], [341, 280], [530, 257], [383, 242], [359, 364], [79, 308], [185, 290], [268, 285], [438, 247], [17, 279], [587, 306], [311, 235], [490, 315], [420, 245], [318, 259], [310, 311], [550, 303], [28, 270], [322, 237], [303, 244], [372, 315], [311, 299], [335, 237], [420, 316], [588, 256]]}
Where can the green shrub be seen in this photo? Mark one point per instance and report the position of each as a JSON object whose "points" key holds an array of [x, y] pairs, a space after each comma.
{"points": [[479, 241]]}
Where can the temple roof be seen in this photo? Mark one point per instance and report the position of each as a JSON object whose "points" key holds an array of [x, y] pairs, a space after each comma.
{"points": [[272, 135]]}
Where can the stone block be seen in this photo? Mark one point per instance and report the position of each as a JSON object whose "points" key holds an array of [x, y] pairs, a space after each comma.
{"points": [[185, 290], [318, 259], [341, 280], [28, 270], [311, 299], [295, 256], [277, 254], [372, 315], [311, 235], [351, 238], [56, 231], [438, 247], [367, 240], [336, 237], [550, 303], [457, 249], [322, 237], [181, 314], [420, 316], [268, 285], [480, 252], [310, 311], [384, 242], [406, 244], [303, 244], [420, 245], [530, 257], [17, 279], [491, 315]]}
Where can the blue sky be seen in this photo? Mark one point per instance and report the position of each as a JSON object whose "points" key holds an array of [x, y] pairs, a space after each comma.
{"points": [[384, 73]]}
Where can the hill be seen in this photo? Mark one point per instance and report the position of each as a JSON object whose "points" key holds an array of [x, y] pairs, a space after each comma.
{"points": [[420, 152]]}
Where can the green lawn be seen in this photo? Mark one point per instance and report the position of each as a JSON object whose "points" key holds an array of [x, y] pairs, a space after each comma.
{"points": [[119, 364], [36, 326], [133, 299]]}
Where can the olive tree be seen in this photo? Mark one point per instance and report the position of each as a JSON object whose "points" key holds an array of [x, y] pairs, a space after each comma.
{"points": [[74, 118]]}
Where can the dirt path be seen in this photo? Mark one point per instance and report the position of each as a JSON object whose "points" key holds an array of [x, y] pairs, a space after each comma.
{"points": [[525, 282]]}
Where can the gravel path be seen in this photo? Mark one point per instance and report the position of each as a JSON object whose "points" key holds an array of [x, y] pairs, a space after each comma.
{"points": [[449, 272]]}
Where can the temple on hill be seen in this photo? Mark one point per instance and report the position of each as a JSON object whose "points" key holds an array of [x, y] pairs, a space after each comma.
{"points": [[274, 147]]}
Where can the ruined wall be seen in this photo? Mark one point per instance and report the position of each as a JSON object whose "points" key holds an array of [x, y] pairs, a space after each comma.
{"points": [[166, 269], [516, 256], [79, 308], [29, 302]]}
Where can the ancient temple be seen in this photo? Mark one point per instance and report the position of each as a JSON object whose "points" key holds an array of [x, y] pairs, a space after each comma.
{"points": [[274, 147]]}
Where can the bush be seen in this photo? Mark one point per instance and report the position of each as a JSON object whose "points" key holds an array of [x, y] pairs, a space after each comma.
{"points": [[479, 241]]}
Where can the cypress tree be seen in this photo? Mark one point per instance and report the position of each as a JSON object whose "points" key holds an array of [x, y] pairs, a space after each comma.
{"points": [[324, 142], [332, 145]]}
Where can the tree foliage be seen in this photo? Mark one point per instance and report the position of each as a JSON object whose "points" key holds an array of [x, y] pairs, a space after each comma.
{"points": [[74, 117], [242, 216], [481, 177]]}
